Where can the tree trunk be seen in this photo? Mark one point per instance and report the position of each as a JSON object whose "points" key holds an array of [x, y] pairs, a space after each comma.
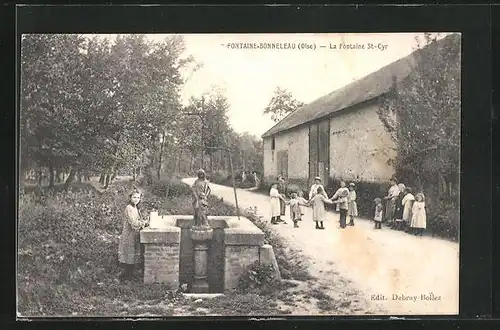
{"points": [[40, 175], [107, 180], [51, 176], [70, 179], [160, 157], [102, 177], [211, 163], [178, 163], [134, 174]]}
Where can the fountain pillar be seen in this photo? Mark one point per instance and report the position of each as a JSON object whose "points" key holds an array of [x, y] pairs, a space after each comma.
{"points": [[201, 236]]}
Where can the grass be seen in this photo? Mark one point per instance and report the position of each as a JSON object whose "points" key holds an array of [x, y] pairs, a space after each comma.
{"points": [[67, 264]]}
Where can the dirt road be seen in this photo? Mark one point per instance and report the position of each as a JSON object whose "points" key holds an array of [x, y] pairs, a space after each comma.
{"points": [[414, 275]]}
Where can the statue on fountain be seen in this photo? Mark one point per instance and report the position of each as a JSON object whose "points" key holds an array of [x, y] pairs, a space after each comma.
{"points": [[201, 191]]}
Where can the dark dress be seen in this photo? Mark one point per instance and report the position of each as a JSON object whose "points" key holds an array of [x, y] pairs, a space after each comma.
{"points": [[282, 190], [398, 210]]}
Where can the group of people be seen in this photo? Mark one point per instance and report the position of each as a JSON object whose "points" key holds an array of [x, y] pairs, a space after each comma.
{"points": [[344, 198], [402, 210]]}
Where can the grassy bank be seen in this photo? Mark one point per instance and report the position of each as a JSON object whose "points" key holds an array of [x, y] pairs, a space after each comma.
{"points": [[67, 263]]}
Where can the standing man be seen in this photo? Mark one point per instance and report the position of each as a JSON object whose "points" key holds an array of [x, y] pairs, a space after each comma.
{"points": [[282, 190]]}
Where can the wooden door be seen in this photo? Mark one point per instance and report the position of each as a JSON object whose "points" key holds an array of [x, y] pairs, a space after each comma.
{"points": [[319, 151], [313, 152], [324, 150]]}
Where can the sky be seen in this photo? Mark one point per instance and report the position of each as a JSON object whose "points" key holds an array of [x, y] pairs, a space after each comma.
{"points": [[249, 76]]}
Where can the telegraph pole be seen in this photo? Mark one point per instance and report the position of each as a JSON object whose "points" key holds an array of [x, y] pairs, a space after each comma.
{"points": [[200, 114]]}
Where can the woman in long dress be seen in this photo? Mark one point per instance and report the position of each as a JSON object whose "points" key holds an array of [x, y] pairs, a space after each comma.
{"points": [[275, 198], [399, 208]]}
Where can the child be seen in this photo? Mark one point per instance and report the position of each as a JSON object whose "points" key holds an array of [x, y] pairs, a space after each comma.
{"points": [[338, 192], [129, 248], [295, 211], [343, 204], [318, 205], [302, 201], [378, 213], [418, 215], [407, 206], [275, 203], [352, 207], [398, 208]]}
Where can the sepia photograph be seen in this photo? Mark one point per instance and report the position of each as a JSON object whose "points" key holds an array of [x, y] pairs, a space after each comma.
{"points": [[257, 175]]}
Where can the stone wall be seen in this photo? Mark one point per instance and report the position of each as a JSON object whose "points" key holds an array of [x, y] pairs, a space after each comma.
{"points": [[360, 148], [296, 142], [161, 255], [236, 244]]}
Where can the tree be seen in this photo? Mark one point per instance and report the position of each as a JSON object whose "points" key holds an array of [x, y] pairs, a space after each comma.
{"points": [[422, 113], [96, 105], [282, 103]]}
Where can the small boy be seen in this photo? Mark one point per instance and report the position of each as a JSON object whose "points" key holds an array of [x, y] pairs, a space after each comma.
{"points": [[295, 211], [302, 202], [378, 213]]}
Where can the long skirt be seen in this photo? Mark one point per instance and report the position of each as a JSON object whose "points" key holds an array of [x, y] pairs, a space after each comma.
{"points": [[390, 209], [275, 207], [352, 209], [282, 207]]}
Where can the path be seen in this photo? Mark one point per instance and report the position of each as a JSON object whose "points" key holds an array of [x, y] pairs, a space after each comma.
{"points": [[384, 262]]}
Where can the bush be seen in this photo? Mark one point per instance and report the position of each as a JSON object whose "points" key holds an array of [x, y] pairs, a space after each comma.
{"points": [[257, 279], [172, 187], [443, 219]]}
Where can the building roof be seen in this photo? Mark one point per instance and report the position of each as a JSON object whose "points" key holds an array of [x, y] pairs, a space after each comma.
{"points": [[369, 87]]}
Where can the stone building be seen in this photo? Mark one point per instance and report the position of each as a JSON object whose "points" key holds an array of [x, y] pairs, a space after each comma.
{"points": [[340, 134]]}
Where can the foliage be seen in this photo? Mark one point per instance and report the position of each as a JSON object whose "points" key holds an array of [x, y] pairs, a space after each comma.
{"points": [[93, 103], [290, 262], [281, 104], [258, 278], [422, 113], [170, 188]]}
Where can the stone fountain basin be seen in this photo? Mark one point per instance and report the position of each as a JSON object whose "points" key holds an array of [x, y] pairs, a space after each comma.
{"points": [[236, 244], [167, 229]]}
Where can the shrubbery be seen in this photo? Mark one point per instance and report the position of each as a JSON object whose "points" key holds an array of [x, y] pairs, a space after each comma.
{"points": [[258, 279], [224, 178], [170, 188]]}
